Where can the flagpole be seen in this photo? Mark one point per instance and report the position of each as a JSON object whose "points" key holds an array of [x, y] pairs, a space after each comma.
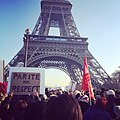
{"points": [[86, 83], [89, 86], [89, 95]]}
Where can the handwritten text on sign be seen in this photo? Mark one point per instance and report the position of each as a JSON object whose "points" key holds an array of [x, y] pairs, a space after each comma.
{"points": [[25, 82]]}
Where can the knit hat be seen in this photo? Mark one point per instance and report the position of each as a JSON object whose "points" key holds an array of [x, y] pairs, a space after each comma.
{"points": [[84, 98], [111, 92]]}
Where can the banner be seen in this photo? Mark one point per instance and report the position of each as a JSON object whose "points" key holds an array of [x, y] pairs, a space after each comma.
{"points": [[72, 85]]}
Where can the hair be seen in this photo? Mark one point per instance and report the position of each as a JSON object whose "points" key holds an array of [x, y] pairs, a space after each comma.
{"points": [[20, 105], [35, 111], [19, 109], [63, 107]]}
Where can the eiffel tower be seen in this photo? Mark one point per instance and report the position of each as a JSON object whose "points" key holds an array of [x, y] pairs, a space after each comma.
{"points": [[65, 52]]}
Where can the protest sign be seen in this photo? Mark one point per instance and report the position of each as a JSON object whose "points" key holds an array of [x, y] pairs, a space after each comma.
{"points": [[26, 80]]}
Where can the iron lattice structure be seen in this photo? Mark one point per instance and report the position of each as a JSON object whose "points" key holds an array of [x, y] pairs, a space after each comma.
{"points": [[65, 52]]}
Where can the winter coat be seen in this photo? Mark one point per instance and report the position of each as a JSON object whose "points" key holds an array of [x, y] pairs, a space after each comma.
{"points": [[96, 113]]}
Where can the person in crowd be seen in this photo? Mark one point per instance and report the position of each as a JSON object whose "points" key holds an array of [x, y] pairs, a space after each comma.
{"points": [[97, 111], [103, 92], [9, 97], [7, 106], [117, 112], [117, 93], [4, 111], [19, 109], [117, 101], [77, 94], [63, 107], [70, 92], [111, 103], [47, 92], [35, 111], [34, 96], [84, 103], [58, 92], [2, 97]]}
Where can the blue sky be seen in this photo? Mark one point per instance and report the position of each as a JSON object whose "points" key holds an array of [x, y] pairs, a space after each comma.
{"points": [[97, 20]]}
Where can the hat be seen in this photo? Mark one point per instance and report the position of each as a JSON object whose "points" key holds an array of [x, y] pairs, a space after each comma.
{"points": [[117, 110], [84, 98], [77, 92], [98, 97], [111, 92]]}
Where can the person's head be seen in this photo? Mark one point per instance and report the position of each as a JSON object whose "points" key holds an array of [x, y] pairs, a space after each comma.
{"points": [[101, 101], [117, 110], [35, 93], [63, 107], [77, 94], [2, 96], [10, 94], [35, 111], [20, 105]]}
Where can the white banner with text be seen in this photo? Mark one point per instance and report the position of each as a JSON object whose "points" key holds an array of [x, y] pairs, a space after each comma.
{"points": [[26, 80]]}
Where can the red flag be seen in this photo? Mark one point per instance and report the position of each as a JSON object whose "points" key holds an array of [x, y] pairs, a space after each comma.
{"points": [[86, 82]]}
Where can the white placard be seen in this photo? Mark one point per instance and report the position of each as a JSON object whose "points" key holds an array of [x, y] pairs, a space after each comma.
{"points": [[1, 70], [25, 80], [72, 85]]}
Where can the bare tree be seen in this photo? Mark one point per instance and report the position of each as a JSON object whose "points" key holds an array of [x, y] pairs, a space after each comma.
{"points": [[116, 79]]}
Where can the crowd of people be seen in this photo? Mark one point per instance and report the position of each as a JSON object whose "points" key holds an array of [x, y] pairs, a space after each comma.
{"points": [[61, 105]]}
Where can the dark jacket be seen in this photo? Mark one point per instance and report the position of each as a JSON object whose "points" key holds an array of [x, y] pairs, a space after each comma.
{"points": [[110, 106], [96, 113], [84, 106]]}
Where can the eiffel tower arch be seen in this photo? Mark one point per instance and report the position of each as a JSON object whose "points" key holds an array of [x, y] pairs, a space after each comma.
{"points": [[65, 52]]}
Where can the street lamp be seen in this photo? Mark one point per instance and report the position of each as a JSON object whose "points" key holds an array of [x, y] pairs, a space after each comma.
{"points": [[26, 38]]}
